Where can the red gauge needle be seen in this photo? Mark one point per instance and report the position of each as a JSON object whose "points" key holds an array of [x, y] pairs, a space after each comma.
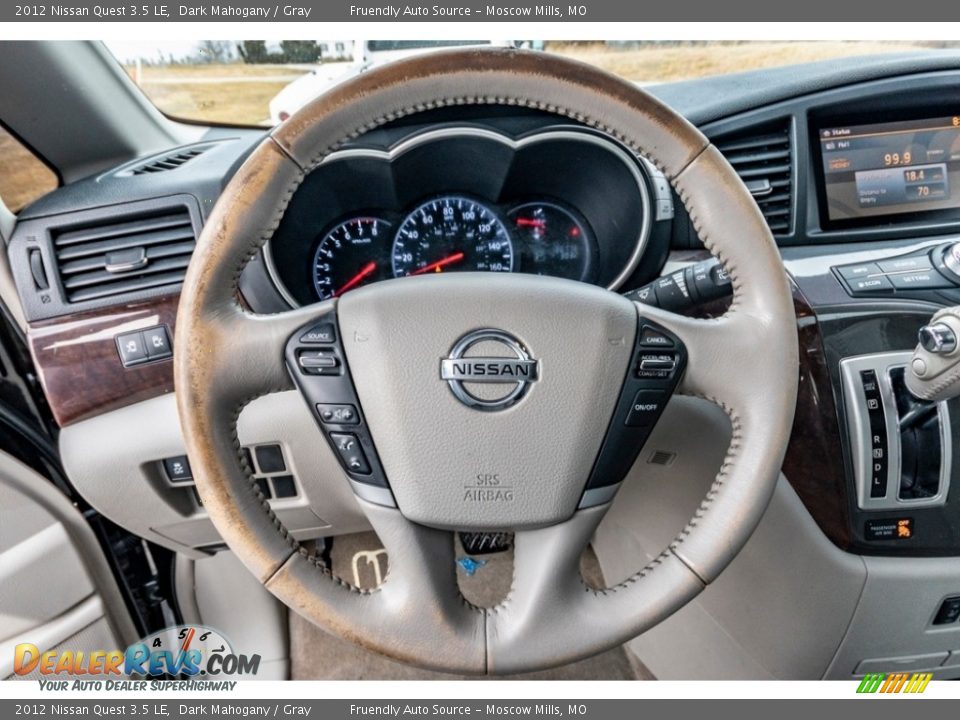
{"points": [[439, 264], [531, 222], [358, 278]]}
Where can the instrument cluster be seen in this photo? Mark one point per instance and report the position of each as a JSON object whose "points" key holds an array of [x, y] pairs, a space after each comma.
{"points": [[565, 203], [454, 233]]}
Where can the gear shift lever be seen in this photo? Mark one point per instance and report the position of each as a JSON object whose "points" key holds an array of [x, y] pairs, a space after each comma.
{"points": [[934, 372]]}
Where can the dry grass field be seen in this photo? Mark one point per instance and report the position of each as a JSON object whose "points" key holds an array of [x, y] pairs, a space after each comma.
{"points": [[239, 93], [23, 178], [680, 62], [233, 93]]}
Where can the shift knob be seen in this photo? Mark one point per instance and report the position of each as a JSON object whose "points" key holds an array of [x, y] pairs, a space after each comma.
{"points": [[938, 338], [934, 372]]}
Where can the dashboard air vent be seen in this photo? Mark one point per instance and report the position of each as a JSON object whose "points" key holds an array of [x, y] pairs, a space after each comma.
{"points": [[762, 158], [167, 162], [124, 255]]}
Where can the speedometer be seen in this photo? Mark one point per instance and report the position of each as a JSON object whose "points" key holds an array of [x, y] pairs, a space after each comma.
{"points": [[451, 233]]}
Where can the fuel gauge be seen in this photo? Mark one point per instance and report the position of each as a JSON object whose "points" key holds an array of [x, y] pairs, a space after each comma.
{"points": [[552, 240]]}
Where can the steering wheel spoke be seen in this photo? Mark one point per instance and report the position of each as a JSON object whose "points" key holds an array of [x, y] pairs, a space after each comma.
{"points": [[417, 613], [717, 349], [551, 603]]}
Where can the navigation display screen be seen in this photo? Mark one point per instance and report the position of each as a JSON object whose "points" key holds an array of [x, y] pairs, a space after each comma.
{"points": [[889, 168]]}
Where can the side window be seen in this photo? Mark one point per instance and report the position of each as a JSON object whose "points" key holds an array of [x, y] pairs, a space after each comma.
{"points": [[23, 176]]}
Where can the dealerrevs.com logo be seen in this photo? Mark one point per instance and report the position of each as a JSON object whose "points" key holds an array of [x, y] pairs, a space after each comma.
{"points": [[183, 650]]}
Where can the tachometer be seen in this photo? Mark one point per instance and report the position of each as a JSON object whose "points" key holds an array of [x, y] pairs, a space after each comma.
{"points": [[451, 233], [351, 254]]}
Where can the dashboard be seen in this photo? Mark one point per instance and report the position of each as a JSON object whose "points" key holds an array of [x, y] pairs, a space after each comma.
{"points": [[562, 202], [859, 183]]}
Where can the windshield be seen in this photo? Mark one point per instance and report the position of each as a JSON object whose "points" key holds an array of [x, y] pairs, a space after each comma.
{"points": [[257, 82]]}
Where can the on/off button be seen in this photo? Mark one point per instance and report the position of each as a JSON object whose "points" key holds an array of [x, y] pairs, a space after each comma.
{"points": [[646, 407]]}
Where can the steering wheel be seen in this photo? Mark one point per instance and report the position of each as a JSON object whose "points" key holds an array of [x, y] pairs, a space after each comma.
{"points": [[434, 446]]}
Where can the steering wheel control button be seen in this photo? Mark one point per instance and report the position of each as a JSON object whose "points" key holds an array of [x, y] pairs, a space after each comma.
{"points": [[320, 334], [643, 397], [656, 366], [157, 342], [651, 337], [132, 349], [323, 377], [350, 452], [338, 414], [319, 362], [177, 469], [489, 357], [646, 408]]}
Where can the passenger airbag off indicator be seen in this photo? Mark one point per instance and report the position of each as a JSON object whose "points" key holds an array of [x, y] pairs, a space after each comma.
{"points": [[895, 529]]}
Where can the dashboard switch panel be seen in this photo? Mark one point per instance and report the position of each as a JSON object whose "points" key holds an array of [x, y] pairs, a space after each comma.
{"points": [[178, 469], [900, 446], [136, 348], [916, 272]]}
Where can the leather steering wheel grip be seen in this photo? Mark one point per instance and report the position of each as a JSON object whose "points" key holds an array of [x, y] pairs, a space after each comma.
{"points": [[745, 361]]}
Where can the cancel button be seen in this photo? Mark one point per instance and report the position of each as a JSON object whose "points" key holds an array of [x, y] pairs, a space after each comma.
{"points": [[646, 406]]}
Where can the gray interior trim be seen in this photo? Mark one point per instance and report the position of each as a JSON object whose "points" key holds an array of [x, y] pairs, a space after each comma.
{"points": [[892, 623], [783, 605], [184, 580], [40, 490], [113, 461], [54, 632], [258, 624]]}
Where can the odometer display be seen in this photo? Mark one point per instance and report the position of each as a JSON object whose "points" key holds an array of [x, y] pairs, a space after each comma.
{"points": [[353, 253], [451, 233]]}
